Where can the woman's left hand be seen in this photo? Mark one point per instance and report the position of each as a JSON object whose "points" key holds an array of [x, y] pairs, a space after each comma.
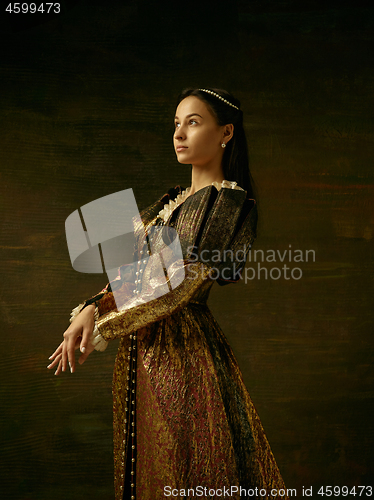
{"points": [[77, 336], [57, 355]]}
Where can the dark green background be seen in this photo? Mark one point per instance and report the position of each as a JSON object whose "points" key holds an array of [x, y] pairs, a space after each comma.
{"points": [[87, 105]]}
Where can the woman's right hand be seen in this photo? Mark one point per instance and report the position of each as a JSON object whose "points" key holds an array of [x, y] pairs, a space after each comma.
{"points": [[77, 336]]}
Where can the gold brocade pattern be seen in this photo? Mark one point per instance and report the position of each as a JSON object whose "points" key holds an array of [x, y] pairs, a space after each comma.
{"points": [[195, 423]]}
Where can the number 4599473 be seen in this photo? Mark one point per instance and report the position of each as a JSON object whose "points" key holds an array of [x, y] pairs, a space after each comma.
{"points": [[359, 491], [33, 8]]}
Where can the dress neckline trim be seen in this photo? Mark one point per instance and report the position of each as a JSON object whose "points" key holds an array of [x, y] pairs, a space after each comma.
{"points": [[169, 207]]}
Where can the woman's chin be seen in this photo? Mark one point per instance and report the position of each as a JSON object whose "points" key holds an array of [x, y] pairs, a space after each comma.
{"points": [[183, 161]]}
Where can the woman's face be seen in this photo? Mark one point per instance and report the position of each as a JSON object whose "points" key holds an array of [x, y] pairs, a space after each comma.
{"points": [[197, 136]]}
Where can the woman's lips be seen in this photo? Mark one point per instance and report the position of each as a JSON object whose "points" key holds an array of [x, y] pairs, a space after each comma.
{"points": [[181, 148]]}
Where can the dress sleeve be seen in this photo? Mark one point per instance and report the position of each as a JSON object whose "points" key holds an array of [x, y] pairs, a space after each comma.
{"points": [[225, 222], [104, 301], [124, 283], [150, 307]]}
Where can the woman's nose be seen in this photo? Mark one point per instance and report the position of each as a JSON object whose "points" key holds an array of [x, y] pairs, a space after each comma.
{"points": [[179, 133]]}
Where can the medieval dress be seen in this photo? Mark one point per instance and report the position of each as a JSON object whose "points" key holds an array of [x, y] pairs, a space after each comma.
{"points": [[183, 419]]}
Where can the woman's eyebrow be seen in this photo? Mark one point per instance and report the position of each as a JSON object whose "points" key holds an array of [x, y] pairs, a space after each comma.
{"points": [[188, 116]]}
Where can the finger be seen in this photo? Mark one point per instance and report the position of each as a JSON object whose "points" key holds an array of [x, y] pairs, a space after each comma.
{"points": [[57, 351], [64, 360], [54, 363], [71, 355], [86, 336], [77, 343], [90, 348], [83, 357], [59, 368]]}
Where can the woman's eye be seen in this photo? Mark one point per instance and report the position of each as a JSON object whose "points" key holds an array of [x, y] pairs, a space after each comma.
{"points": [[193, 121], [176, 125]]}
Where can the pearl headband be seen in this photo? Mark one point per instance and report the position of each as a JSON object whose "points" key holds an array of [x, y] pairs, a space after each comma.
{"points": [[219, 97]]}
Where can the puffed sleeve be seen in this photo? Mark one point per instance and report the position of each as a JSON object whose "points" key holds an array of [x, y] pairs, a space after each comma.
{"points": [[209, 223]]}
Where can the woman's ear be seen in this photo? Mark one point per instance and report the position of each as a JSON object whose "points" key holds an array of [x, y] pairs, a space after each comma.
{"points": [[228, 132]]}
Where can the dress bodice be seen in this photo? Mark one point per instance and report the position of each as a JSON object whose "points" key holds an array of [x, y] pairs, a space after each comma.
{"points": [[208, 223]]}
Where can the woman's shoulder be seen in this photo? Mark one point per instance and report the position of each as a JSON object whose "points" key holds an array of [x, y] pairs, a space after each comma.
{"points": [[219, 205], [212, 217], [230, 202]]}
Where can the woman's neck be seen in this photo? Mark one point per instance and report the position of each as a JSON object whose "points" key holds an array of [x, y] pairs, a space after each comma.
{"points": [[202, 178]]}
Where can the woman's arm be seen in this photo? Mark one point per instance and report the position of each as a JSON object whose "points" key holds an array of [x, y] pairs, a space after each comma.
{"points": [[152, 304], [83, 333]]}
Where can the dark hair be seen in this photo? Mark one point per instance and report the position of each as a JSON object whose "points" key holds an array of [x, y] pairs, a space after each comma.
{"points": [[235, 157]]}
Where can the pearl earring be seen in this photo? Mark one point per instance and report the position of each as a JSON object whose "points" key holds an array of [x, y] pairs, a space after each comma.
{"points": [[223, 145]]}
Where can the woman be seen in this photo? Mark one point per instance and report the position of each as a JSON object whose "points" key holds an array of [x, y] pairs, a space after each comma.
{"points": [[183, 419]]}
